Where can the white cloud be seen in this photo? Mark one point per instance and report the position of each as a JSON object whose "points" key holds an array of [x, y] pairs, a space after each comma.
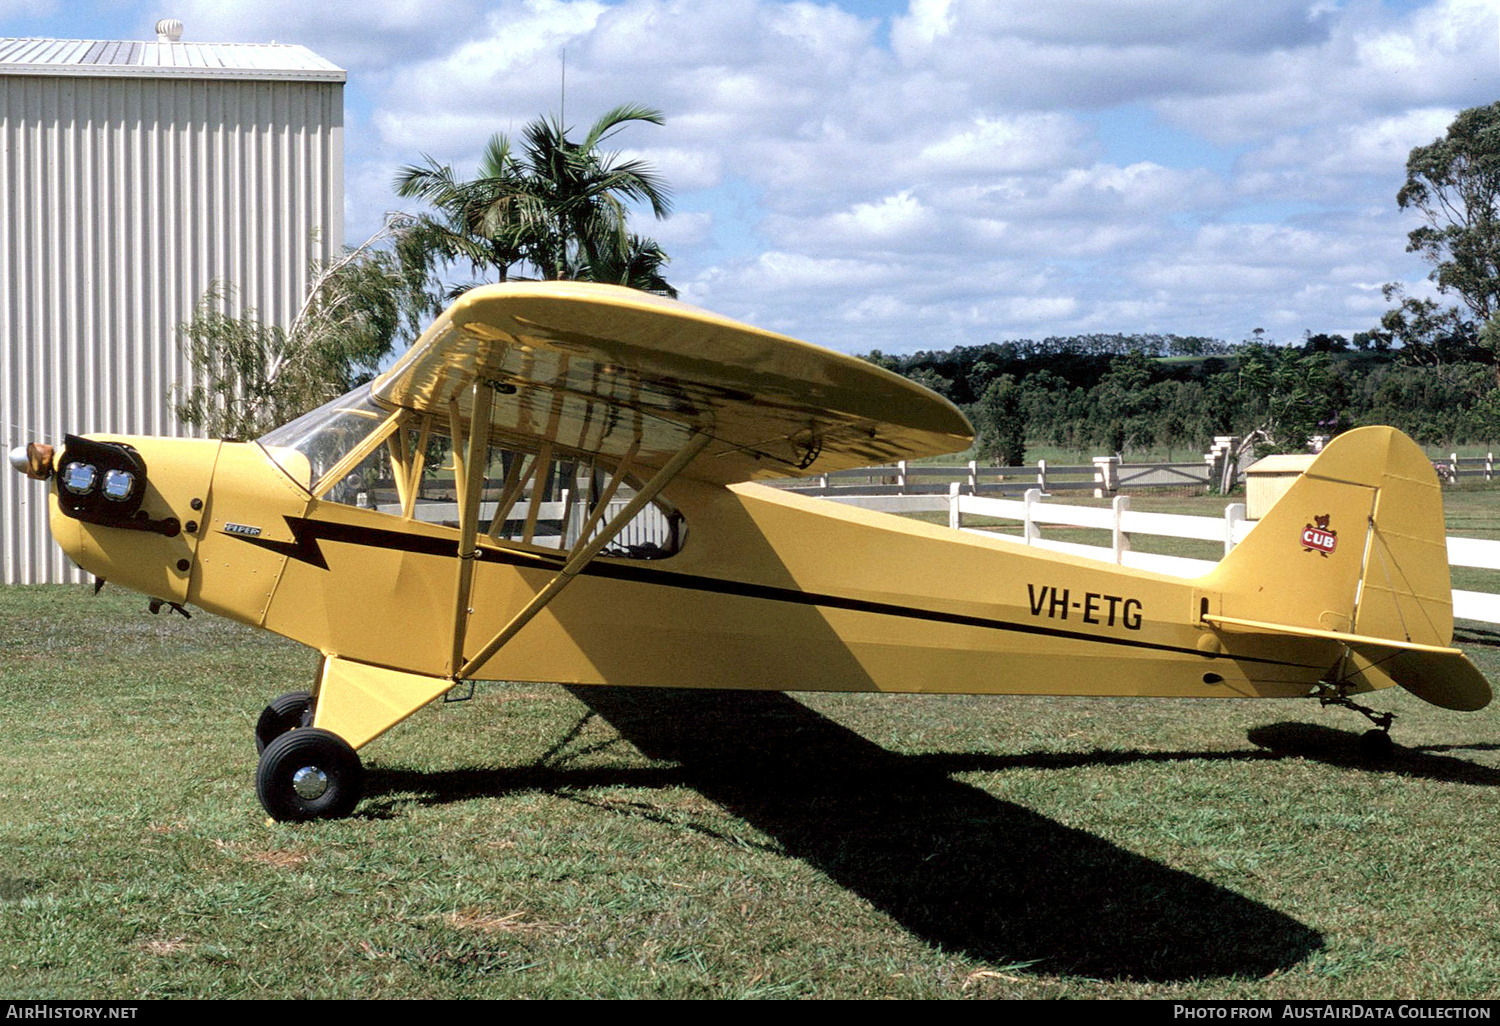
{"points": [[511, 68], [1379, 145], [1025, 142], [793, 272], [683, 228], [1270, 24], [686, 168], [948, 186]]}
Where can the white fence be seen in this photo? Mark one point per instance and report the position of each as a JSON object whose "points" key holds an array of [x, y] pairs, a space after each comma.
{"points": [[1122, 522], [1455, 468], [1104, 476], [558, 523]]}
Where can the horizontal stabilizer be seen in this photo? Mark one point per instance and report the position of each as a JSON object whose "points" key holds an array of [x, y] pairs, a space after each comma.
{"points": [[1364, 640], [1446, 679], [1441, 676]]}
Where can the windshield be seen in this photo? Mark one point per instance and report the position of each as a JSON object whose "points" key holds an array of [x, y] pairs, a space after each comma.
{"points": [[313, 444]]}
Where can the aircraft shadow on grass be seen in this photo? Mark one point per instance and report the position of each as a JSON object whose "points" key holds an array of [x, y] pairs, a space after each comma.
{"points": [[1342, 748], [956, 866]]}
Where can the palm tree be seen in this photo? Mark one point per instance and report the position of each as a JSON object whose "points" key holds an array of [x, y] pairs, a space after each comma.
{"points": [[560, 208], [477, 221], [638, 267]]}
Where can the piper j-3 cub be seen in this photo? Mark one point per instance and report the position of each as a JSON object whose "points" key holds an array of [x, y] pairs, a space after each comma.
{"points": [[557, 484]]}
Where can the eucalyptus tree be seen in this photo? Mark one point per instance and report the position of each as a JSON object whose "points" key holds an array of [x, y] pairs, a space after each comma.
{"points": [[1454, 183], [250, 375]]}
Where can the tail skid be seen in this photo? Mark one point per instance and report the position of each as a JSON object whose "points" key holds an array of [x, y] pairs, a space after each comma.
{"points": [[1356, 552]]}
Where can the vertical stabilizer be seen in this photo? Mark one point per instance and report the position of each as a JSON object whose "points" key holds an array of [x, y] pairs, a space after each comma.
{"points": [[1357, 546]]}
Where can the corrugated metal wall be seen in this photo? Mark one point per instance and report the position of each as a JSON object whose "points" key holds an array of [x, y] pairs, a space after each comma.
{"points": [[122, 200]]}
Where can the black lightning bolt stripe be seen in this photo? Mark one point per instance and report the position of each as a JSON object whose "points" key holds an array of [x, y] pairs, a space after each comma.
{"points": [[307, 533]]}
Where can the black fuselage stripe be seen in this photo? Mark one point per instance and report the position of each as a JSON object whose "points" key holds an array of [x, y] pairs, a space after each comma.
{"points": [[772, 593], [323, 530]]}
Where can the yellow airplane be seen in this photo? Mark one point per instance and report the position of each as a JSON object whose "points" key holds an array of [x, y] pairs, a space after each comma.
{"points": [[556, 484]]}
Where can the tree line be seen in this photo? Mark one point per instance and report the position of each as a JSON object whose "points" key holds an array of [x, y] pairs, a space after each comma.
{"points": [[1065, 392]]}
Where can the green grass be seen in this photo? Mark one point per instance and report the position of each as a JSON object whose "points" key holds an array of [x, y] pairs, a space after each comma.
{"points": [[538, 841]]}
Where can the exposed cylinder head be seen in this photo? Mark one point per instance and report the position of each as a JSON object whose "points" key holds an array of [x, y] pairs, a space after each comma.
{"points": [[33, 459]]}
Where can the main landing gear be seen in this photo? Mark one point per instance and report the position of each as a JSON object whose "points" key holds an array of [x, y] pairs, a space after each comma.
{"points": [[1375, 746], [304, 772], [283, 714], [309, 773]]}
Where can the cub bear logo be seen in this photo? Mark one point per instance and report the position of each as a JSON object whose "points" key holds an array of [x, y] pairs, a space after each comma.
{"points": [[1318, 537]]}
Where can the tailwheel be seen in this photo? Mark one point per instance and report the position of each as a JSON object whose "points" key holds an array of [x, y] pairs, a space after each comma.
{"points": [[1375, 746], [309, 773], [283, 714]]}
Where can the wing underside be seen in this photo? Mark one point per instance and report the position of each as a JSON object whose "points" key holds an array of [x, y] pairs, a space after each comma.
{"points": [[608, 371]]}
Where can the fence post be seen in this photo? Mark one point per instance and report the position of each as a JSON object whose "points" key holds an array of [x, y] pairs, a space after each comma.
{"points": [[973, 477], [1041, 476], [1489, 467], [1234, 514], [955, 511], [1453, 467], [1121, 539], [577, 513], [901, 476], [1222, 458], [1106, 476], [1029, 529]]}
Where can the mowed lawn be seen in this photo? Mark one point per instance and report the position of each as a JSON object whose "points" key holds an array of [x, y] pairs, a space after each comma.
{"points": [[537, 841]]}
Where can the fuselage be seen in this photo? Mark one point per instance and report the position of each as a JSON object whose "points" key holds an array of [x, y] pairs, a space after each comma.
{"points": [[767, 590]]}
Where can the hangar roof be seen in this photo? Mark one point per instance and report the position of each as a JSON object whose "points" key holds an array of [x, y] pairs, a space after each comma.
{"points": [[136, 59]]}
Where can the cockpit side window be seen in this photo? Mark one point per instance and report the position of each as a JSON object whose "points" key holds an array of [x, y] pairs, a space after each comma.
{"points": [[402, 463], [533, 498]]}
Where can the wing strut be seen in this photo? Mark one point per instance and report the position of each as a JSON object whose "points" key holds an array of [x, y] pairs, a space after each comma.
{"points": [[585, 549], [470, 481]]}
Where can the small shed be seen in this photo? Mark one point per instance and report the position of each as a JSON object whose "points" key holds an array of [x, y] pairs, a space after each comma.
{"points": [[1267, 480]]}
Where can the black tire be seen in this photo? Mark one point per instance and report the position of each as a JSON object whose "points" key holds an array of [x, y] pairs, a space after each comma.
{"points": [[284, 714], [1376, 746], [309, 774]]}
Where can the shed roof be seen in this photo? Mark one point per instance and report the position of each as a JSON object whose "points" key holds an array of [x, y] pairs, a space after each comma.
{"points": [[1286, 463], [135, 59]]}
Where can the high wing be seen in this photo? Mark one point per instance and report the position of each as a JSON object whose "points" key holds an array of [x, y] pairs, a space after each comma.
{"points": [[606, 370]]}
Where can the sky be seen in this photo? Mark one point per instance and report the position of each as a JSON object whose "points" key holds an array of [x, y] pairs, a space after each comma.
{"points": [[878, 174]]}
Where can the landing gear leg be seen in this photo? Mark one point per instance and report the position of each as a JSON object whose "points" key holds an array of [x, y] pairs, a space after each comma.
{"points": [[308, 766]]}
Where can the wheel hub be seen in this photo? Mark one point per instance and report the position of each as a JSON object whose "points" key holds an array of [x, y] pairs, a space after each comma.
{"points": [[310, 783]]}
